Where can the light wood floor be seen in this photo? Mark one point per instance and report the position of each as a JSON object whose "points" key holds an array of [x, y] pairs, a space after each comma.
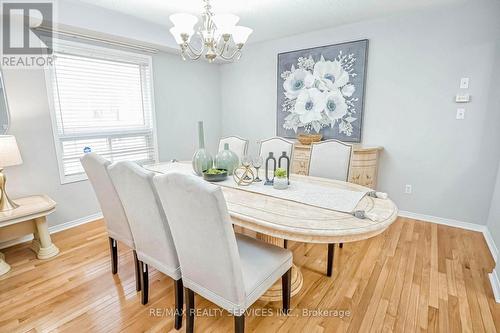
{"points": [[415, 277]]}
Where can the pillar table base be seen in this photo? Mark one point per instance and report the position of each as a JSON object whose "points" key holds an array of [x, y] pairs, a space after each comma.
{"points": [[44, 252], [274, 293], [42, 244]]}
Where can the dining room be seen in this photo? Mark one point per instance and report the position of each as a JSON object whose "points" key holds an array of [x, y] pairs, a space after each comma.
{"points": [[236, 166]]}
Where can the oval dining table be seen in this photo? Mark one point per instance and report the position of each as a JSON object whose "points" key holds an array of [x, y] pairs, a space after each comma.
{"points": [[276, 219]]}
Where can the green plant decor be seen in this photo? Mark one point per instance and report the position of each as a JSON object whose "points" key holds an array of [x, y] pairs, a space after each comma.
{"points": [[213, 171], [280, 173]]}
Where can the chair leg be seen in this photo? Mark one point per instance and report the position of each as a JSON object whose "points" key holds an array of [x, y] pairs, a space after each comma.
{"points": [[189, 311], [286, 286], [179, 303], [144, 283], [137, 266], [331, 254], [239, 324], [113, 248], [341, 245]]}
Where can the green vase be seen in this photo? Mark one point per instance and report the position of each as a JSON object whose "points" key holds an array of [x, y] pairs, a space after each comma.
{"points": [[227, 159], [202, 160]]}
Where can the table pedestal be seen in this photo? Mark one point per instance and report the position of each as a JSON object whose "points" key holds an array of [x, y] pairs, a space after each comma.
{"points": [[4, 267], [42, 244], [274, 294]]}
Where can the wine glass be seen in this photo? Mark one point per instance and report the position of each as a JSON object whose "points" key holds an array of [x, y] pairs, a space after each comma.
{"points": [[257, 163], [246, 161]]}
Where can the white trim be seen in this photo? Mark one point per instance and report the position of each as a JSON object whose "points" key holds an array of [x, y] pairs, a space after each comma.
{"points": [[54, 229], [491, 243], [495, 285], [444, 221]]}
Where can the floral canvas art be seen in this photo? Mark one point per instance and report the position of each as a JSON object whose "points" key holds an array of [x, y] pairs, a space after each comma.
{"points": [[321, 90]]}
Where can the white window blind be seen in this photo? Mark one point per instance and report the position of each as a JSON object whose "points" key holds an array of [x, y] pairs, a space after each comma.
{"points": [[102, 102]]}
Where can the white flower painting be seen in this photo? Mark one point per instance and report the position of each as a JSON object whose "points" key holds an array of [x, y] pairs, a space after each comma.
{"points": [[322, 91]]}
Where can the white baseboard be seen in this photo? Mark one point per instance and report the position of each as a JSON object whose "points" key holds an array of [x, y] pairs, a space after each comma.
{"points": [[491, 243], [495, 285], [54, 229], [444, 221]]}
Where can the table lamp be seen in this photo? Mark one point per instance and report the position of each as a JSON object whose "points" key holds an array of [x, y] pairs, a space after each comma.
{"points": [[9, 156]]}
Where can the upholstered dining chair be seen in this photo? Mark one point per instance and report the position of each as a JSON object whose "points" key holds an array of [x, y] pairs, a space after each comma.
{"points": [[330, 159], [153, 240], [236, 144], [276, 145], [230, 270], [117, 225]]}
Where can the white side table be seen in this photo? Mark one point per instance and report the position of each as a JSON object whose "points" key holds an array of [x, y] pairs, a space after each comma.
{"points": [[28, 218]]}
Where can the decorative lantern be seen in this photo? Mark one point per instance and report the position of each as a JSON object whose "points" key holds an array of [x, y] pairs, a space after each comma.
{"points": [[270, 158], [287, 159]]}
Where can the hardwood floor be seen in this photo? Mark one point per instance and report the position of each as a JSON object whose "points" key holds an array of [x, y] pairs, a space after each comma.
{"points": [[415, 277]]}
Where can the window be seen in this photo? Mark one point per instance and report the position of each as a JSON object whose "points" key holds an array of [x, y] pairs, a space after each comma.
{"points": [[101, 102]]}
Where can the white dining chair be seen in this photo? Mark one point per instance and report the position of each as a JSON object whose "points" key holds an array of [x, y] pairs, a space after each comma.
{"points": [[277, 146], [117, 225], [153, 240], [330, 159], [230, 270], [237, 145]]}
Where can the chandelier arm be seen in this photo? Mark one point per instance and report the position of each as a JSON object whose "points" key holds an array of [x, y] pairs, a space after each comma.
{"points": [[222, 49], [194, 51], [192, 56], [236, 52]]}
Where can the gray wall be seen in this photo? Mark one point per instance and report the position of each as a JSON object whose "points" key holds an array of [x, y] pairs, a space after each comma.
{"points": [[414, 66], [184, 93]]}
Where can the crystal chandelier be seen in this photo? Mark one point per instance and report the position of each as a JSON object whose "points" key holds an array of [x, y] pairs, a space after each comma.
{"points": [[216, 33]]}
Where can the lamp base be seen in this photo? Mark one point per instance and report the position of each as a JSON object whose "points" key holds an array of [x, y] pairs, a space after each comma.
{"points": [[5, 202]]}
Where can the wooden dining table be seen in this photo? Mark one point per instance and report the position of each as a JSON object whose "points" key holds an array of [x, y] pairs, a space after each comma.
{"points": [[276, 219]]}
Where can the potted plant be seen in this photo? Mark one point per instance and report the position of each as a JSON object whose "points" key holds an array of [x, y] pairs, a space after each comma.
{"points": [[280, 179], [215, 175]]}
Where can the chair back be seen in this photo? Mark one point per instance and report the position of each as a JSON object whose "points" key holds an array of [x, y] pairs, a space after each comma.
{"points": [[276, 145], [95, 167], [153, 240], [236, 144], [203, 235], [330, 159]]}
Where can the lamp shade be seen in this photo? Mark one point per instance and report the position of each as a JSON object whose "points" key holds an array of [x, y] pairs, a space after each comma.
{"points": [[241, 34], [184, 23], [9, 152], [225, 22]]}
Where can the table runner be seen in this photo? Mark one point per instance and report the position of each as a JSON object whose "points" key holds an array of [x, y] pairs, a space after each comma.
{"points": [[316, 195]]}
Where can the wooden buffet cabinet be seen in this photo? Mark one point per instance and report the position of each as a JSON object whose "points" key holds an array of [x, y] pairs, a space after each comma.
{"points": [[363, 168]]}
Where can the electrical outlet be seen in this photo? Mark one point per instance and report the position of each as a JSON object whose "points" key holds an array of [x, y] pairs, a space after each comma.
{"points": [[408, 189], [460, 114], [464, 83]]}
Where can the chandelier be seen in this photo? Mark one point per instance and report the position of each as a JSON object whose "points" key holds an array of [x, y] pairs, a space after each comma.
{"points": [[219, 34]]}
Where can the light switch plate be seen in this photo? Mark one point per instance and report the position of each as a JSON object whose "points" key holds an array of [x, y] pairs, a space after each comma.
{"points": [[460, 114], [462, 98], [464, 83]]}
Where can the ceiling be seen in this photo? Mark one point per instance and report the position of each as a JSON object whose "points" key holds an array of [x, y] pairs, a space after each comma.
{"points": [[272, 19]]}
